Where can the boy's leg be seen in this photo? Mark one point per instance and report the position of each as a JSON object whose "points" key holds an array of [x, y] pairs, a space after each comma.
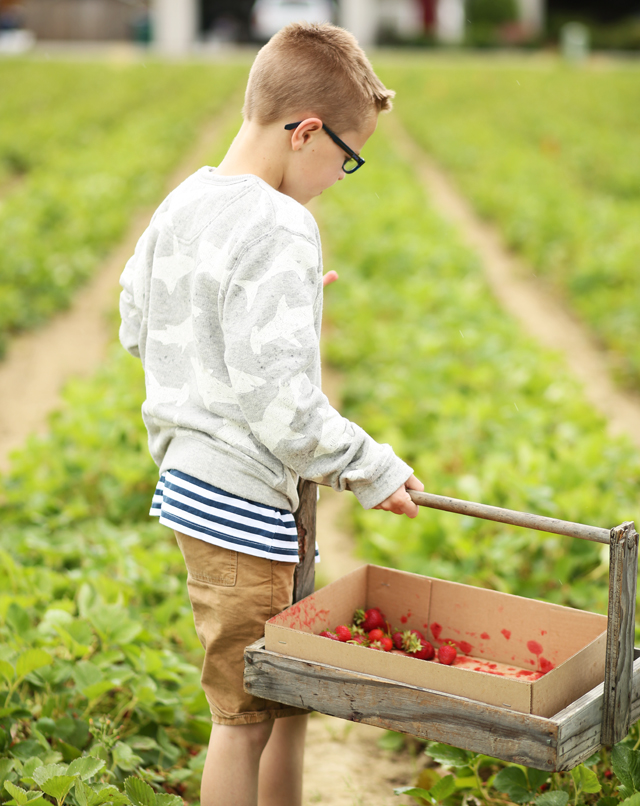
{"points": [[230, 774], [280, 782]]}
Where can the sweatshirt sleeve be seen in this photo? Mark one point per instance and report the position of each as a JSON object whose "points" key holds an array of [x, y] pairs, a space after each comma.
{"points": [[270, 314]]}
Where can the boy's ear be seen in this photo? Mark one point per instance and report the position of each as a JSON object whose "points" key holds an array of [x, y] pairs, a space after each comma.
{"points": [[307, 129]]}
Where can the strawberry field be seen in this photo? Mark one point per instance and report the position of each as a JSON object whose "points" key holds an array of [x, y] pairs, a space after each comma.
{"points": [[81, 149], [552, 155], [99, 663]]}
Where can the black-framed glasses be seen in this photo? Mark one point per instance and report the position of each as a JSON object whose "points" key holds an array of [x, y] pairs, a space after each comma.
{"points": [[353, 161]]}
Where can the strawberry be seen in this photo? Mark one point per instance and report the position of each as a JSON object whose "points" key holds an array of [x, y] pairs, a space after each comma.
{"points": [[327, 634], [387, 643], [418, 634], [343, 633], [426, 651], [376, 634], [447, 654], [397, 638], [418, 647], [369, 619], [362, 640]]}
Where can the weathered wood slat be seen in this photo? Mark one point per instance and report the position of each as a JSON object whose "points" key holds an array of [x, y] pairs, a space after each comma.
{"points": [[623, 574], [524, 519], [523, 738], [305, 518], [580, 724]]}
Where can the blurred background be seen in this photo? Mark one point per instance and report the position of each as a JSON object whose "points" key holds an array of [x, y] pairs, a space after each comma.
{"points": [[183, 26]]}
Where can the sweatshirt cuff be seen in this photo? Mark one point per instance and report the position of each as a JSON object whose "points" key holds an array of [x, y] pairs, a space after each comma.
{"points": [[391, 478]]}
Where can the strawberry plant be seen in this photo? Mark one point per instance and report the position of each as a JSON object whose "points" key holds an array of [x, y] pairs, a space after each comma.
{"points": [[550, 155], [89, 148]]}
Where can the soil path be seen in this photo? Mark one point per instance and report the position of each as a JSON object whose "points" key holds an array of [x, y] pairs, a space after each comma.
{"points": [[527, 299]]}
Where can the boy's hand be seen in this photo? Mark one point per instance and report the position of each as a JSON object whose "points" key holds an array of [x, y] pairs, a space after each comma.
{"points": [[400, 502], [329, 277]]}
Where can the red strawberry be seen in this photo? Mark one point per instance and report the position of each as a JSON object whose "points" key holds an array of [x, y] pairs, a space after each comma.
{"points": [[327, 634], [426, 651], [376, 634], [418, 634], [369, 619], [387, 643], [397, 638], [362, 640], [447, 654], [418, 647], [343, 633]]}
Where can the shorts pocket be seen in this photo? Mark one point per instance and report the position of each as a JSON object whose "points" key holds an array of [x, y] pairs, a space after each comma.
{"points": [[207, 563]]}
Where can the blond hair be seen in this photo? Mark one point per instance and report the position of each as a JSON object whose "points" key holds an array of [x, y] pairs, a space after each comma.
{"points": [[316, 69]]}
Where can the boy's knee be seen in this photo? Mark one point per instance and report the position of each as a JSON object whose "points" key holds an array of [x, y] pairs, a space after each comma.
{"points": [[253, 737]]}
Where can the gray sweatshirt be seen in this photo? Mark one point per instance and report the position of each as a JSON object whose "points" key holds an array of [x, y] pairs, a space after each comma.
{"points": [[222, 301]]}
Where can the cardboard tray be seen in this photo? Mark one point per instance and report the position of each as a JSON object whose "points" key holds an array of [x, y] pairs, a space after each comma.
{"points": [[555, 654]]}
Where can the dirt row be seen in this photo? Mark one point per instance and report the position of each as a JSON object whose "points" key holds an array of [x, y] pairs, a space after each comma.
{"points": [[344, 765]]}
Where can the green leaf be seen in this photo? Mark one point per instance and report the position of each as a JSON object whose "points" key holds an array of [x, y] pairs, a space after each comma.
{"points": [[139, 792], [18, 619], [634, 800], [555, 798], [58, 787], [69, 752], [46, 771], [165, 799], [90, 796], [86, 674], [30, 660], [445, 787], [585, 779], [125, 758], [7, 671], [28, 769], [448, 756], [414, 792], [621, 761], [536, 778], [86, 767], [513, 782], [17, 792], [6, 766], [97, 689]]}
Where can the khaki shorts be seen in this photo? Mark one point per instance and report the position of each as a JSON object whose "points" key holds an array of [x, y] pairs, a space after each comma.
{"points": [[232, 596]]}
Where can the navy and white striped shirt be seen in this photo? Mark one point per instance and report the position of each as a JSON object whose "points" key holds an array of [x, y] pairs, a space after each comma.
{"points": [[200, 510]]}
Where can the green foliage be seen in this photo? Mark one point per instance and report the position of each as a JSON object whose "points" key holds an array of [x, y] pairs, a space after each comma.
{"points": [[98, 656], [550, 155], [89, 148]]}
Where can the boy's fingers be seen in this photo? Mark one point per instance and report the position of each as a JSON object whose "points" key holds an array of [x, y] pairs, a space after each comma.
{"points": [[329, 277], [412, 483], [400, 503]]}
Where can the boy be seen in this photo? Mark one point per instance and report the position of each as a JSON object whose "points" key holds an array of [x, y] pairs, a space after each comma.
{"points": [[222, 301]]}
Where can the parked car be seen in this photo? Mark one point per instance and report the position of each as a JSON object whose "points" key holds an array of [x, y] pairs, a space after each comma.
{"points": [[269, 16]]}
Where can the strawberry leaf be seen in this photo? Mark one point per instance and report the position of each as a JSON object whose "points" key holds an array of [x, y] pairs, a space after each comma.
{"points": [[448, 756], [513, 782], [556, 798], [443, 788]]}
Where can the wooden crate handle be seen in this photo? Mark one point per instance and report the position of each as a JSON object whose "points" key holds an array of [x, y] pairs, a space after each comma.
{"points": [[618, 670], [305, 518]]}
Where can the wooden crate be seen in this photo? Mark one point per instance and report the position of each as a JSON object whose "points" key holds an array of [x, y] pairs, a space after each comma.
{"points": [[558, 743], [602, 716]]}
